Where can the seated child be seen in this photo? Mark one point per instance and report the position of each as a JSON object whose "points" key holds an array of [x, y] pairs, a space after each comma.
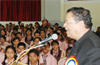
{"points": [[46, 57], [33, 57], [21, 47], [55, 51], [10, 55]]}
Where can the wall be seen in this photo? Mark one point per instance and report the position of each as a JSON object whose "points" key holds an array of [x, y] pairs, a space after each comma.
{"points": [[52, 10]]}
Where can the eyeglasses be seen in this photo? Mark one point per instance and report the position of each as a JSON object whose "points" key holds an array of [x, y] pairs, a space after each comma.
{"points": [[68, 22]]}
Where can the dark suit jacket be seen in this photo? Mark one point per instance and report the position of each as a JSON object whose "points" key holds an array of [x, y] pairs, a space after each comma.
{"points": [[87, 49]]}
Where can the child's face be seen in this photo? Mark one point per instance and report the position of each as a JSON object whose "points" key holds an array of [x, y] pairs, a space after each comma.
{"points": [[32, 29], [59, 32], [10, 53], [36, 25], [36, 40], [25, 29], [15, 31], [37, 35], [42, 33], [2, 40], [16, 42], [12, 36], [46, 49], [20, 49], [55, 46], [19, 35], [33, 57], [2, 32], [28, 32]]}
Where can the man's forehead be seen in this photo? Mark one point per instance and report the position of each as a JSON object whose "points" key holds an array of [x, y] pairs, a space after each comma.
{"points": [[69, 16]]}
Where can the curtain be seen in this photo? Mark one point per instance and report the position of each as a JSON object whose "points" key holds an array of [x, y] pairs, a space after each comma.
{"points": [[20, 10]]}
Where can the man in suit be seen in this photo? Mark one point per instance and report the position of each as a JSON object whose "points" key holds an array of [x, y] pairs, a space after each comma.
{"points": [[86, 49]]}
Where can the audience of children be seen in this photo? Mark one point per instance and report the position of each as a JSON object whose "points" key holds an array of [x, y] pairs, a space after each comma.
{"points": [[50, 54]]}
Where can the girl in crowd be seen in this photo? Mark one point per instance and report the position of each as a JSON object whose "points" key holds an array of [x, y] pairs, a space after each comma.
{"points": [[13, 35], [56, 26], [55, 51], [33, 57], [10, 55], [24, 33], [35, 40], [51, 31], [28, 37], [37, 25], [3, 33], [15, 41], [62, 43], [9, 31], [32, 31], [2, 44], [46, 57], [43, 34]]}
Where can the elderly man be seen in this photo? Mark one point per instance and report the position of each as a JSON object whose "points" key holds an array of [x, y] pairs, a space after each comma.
{"points": [[86, 49]]}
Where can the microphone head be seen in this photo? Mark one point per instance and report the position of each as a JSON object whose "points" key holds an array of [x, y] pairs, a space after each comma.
{"points": [[54, 36]]}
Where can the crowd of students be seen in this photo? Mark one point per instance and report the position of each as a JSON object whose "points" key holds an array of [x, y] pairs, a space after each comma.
{"points": [[16, 38]]}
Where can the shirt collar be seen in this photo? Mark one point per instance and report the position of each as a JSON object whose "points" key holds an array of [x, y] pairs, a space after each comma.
{"points": [[6, 61]]}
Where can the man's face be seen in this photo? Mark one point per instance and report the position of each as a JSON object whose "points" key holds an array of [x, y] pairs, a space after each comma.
{"points": [[70, 25]]}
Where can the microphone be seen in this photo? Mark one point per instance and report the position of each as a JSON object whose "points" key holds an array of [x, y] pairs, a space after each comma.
{"points": [[53, 37]]}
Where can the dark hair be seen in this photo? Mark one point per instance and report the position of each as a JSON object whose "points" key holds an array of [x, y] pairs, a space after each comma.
{"points": [[60, 27], [43, 31], [4, 31], [51, 28], [13, 48], [61, 39], [14, 35], [31, 34], [58, 49], [10, 23], [55, 42], [37, 32], [21, 44], [56, 24], [33, 51], [81, 14], [69, 48], [15, 28], [14, 40], [33, 28], [37, 23], [22, 26], [46, 27], [3, 37], [37, 38], [19, 33], [29, 29], [98, 28], [46, 43]]}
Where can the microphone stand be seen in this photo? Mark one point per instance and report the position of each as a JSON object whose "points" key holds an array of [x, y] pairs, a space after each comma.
{"points": [[26, 51]]}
